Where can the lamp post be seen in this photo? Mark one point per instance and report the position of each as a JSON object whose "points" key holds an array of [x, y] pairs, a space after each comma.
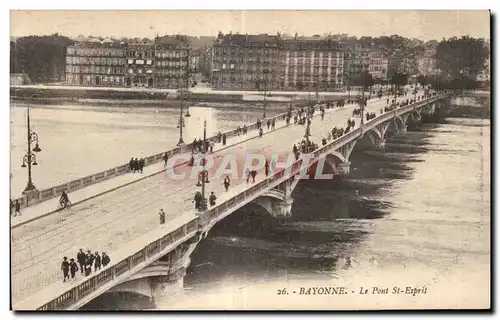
{"points": [[361, 103], [181, 125], [265, 93], [203, 177], [30, 158]]}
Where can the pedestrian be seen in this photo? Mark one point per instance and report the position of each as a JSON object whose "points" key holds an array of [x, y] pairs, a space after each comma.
{"points": [[18, 207], [197, 200], [273, 124], [261, 132], [227, 183], [136, 165], [247, 174], [73, 268], [142, 162], [266, 168], [254, 174], [211, 148], [81, 258], [65, 268], [212, 199], [131, 164], [88, 263], [224, 139], [165, 159], [97, 261], [162, 216], [105, 259]]}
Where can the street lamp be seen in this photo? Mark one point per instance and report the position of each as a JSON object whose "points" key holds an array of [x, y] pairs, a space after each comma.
{"points": [[307, 134], [362, 103], [265, 93], [181, 123], [203, 176], [30, 158]]}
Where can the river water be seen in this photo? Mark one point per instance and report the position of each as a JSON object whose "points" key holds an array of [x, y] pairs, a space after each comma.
{"points": [[422, 216]]}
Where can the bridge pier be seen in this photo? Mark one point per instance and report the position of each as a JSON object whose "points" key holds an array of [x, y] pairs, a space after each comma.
{"points": [[344, 168], [379, 144], [165, 288], [286, 207]]}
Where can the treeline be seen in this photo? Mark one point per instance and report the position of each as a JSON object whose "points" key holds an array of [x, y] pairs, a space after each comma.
{"points": [[458, 61], [42, 58]]}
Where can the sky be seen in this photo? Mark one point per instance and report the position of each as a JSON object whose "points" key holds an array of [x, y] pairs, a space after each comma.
{"points": [[424, 25]]}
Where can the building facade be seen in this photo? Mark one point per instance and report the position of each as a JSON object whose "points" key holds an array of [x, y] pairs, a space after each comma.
{"points": [[378, 65], [268, 62], [96, 63], [162, 63]]}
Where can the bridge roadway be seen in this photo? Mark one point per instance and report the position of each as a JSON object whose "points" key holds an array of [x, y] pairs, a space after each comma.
{"points": [[107, 222]]}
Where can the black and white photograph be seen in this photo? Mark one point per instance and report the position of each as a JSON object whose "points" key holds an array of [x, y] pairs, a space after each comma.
{"points": [[168, 160]]}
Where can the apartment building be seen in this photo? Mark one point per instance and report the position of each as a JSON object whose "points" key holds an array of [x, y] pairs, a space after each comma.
{"points": [[273, 62], [162, 62], [96, 63]]}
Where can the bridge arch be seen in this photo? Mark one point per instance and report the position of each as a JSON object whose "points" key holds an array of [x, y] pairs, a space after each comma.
{"points": [[120, 300], [276, 202]]}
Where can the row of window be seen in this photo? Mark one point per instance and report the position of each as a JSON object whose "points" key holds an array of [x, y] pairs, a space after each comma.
{"points": [[219, 50], [95, 60], [95, 69], [97, 52], [158, 53], [88, 79], [170, 64]]}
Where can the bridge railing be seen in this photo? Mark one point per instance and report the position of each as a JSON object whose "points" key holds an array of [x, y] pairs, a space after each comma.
{"points": [[158, 243], [52, 192]]}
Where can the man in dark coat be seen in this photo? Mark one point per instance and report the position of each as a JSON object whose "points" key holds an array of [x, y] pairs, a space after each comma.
{"points": [[88, 263], [162, 216], [105, 259], [212, 199], [73, 268], [142, 163], [97, 261], [81, 258], [18, 207], [131, 164], [65, 268], [165, 159]]}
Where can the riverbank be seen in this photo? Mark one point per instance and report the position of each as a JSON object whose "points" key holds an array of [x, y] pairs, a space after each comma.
{"points": [[153, 97]]}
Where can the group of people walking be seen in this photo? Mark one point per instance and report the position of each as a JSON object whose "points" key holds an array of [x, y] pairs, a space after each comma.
{"points": [[200, 202], [136, 165], [370, 115], [85, 263]]}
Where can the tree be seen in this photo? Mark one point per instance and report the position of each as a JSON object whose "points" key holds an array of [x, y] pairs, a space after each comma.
{"points": [[42, 58], [461, 57]]}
